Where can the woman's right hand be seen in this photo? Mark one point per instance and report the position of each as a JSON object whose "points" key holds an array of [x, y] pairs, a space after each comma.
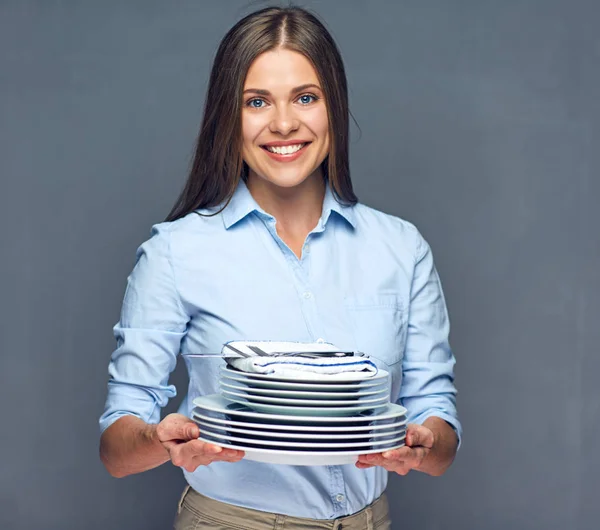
{"points": [[179, 436]]}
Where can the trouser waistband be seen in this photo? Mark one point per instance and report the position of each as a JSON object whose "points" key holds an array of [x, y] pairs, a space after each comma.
{"points": [[246, 518]]}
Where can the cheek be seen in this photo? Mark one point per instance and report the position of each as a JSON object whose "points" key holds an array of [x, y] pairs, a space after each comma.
{"points": [[319, 124], [251, 127]]}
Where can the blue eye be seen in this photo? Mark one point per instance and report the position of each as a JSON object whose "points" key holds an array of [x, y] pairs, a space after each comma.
{"points": [[255, 103], [307, 99]]}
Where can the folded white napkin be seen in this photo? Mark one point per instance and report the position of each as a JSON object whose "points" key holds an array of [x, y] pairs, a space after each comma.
{"points": [[347, 368]]}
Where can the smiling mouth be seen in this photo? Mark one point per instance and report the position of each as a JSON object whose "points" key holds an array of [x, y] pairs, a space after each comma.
{"points": [[284, 149]]}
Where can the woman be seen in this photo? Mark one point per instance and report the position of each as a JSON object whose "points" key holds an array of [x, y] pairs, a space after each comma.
{"points": [[268, 241]]}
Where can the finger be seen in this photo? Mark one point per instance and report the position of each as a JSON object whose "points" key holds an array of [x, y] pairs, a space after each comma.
{"points": [[200, 448], [230, 455], [226, 455], [401, 467], [366, 459], [231, 459], [195, 451], [389, 465], [405, 456], [419, 435], [374, 459], [414, 461], [190, 431], [209, 449], [182, 457], [177, 427], [402, 453], [362, 465]]}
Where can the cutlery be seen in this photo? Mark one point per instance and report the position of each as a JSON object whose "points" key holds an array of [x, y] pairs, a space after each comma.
{"points": [[236, 354]]}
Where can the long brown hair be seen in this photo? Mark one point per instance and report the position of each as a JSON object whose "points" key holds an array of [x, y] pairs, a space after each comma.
{"points": [[218, 165]]}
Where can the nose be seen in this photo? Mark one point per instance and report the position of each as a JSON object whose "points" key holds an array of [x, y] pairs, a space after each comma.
{"points": [[284, 121]]}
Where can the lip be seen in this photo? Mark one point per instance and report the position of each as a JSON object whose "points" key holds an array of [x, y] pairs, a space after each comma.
{"points": [[285, 158], [283, 143]]}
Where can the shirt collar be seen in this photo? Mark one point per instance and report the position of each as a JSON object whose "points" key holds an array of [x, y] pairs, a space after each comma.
{"points": [[330, 204], [242, 204]]}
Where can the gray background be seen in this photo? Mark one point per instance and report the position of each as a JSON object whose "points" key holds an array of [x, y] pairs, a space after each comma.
{"points": [[480, 123]]}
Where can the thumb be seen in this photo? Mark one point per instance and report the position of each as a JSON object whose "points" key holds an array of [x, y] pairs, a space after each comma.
{"points": [[190, 431], [418, 435], [413, 435], [175, 427]]}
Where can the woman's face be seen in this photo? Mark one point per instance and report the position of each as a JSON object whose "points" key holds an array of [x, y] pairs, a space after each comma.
{"points": [[285, 129]]}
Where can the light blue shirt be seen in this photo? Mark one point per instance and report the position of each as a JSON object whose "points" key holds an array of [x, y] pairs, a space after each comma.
{"points": [[366, 281]]}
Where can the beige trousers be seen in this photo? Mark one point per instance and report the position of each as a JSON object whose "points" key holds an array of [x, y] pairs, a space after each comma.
{"points": [[197, 512]]}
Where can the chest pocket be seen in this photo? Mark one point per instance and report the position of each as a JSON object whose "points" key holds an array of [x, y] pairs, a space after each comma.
{"points": [[379, 323]]}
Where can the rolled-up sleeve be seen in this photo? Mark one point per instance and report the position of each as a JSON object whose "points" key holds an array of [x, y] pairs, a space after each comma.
{"points": [[152, 324], [428, 364]]}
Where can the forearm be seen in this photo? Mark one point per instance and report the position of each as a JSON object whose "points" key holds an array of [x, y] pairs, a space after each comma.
{"points": [[445, 444], [131, 446]]}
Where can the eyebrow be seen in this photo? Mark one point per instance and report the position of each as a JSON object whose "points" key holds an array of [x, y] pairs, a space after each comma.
{"points": [[262, 92]]}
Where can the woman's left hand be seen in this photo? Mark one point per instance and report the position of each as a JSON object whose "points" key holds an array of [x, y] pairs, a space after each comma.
{"points": [[419, 442]]}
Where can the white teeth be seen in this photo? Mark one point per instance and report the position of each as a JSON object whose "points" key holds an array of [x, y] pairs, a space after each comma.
{"points": [[284, 149]]}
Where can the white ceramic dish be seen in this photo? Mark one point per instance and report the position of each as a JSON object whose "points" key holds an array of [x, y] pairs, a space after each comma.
{"points": [[234, 378], [299, 428], [236, 396], [387, 433], [299, 394], [327, 412], [341, 378], [217, 403], [305, 458], [276, 444]]}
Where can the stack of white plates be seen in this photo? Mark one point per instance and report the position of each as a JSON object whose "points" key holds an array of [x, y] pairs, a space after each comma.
{"points": [[288, 420]]}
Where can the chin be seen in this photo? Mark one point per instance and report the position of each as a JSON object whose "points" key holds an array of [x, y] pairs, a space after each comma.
{"points": [[293, 178], [286, 181]]}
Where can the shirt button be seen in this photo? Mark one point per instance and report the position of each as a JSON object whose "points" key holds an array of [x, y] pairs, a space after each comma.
{"points": [[307, 295], [339, 497], [306, 249]]}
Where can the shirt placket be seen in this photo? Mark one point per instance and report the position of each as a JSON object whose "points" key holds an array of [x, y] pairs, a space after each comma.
{"points": [[308, 302], [337, 491], [301, 273]]}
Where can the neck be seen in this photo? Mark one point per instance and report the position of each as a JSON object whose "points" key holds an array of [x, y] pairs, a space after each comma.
{"points": [[296, 209]]}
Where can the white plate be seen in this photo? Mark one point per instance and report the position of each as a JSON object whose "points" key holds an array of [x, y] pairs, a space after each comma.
{"points": [[297, 394], [236, 396], [348, 377], [276, 444], [326, 412], [387, 433], [305, 458], [217, 403], [299, 428], [234, 378]]}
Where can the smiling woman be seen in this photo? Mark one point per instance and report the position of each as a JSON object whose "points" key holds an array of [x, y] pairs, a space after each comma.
{"points": [[279, 76], [267, 240]]}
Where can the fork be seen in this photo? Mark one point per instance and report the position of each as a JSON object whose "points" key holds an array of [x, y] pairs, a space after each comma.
{"points": [[312, 355]]}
